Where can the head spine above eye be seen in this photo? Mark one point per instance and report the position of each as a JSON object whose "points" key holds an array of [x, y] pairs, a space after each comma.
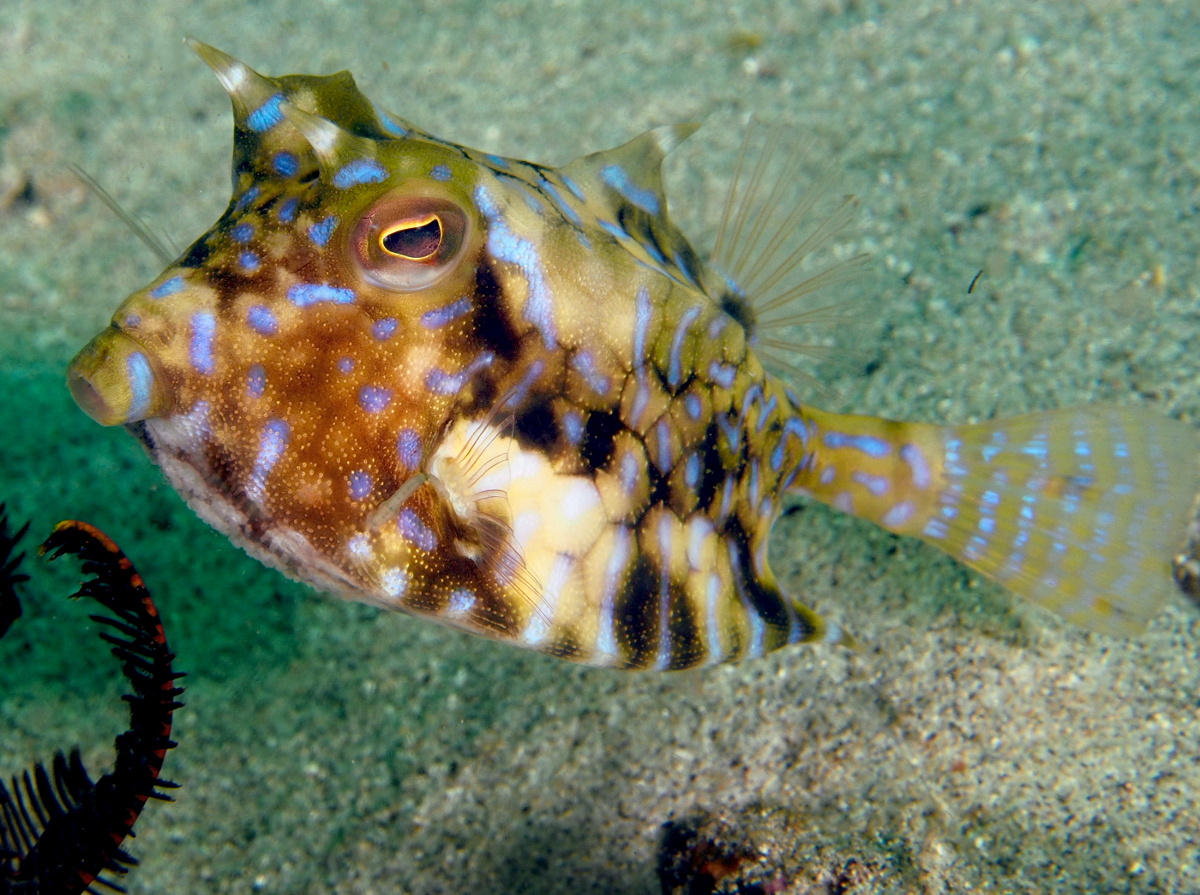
{"points": [[415, 239]]}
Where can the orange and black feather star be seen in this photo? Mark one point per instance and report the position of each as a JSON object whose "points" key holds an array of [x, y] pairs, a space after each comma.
{"points": [[59, 830]]}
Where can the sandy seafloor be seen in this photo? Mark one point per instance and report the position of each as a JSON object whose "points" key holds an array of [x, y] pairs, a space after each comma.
{"points": [[974, 744]]}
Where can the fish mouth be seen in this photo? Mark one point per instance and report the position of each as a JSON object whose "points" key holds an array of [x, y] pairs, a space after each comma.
{"points": [[115, 381]]}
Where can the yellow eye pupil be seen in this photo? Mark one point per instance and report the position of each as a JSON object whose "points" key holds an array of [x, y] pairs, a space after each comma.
{"points": [[416, 239]]}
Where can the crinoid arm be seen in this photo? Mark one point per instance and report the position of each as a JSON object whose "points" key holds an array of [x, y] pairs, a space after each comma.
{"points": [[59, 830], [10, 571], [776, 255]]}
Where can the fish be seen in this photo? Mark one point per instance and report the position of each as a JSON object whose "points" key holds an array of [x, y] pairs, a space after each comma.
{"points": [[514, 399]]}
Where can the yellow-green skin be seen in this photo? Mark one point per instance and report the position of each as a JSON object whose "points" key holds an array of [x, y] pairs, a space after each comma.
{"points": [[556, 435]]}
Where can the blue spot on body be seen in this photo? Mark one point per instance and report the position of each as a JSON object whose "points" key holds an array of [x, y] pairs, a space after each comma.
{"points": [[878, 485], [249, 261], [722, 374], [267, 115], [285, 164], [687, 271], [693, 405], [384, 329], [561, 204], [795, 426], [256, 380], [675, 361], [629, 473], [753, 396], [975, 546], [777, 458], [460, 602], [374, 398], [358, 172], [504, 245], [586, 367], [360, 485], [271, 445], [262, 320], [666, 451], [616, 177], [141, 385], [302, 295], [653, 251], [731, 431], [612, 228], [242, 233], [246, 198], [204, 326], [390, 124], [534, 203], [440, 382], [408, 446], [440, 172], [935, 528], [496, 161], [764, 415], [415, 531], [641, 325], [868, 444], [439, 317], [346, 364], [320, 232], [573, 426], [167, 287], [287, 211], [574, 188], [1036, 447]]}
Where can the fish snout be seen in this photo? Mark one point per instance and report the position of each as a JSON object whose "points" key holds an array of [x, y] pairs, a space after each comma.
{"points": [[114, 380]]}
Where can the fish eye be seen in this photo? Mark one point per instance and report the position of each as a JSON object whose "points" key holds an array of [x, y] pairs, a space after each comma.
{"points": [[408, 243], [417, 239]]}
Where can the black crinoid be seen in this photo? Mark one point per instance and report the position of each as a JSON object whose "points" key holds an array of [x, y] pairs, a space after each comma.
{"points": [[10, 571], [59, 830]]}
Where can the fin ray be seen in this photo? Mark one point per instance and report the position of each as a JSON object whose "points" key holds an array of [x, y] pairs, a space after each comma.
{"points": [[772, 252], [1079, 511]]}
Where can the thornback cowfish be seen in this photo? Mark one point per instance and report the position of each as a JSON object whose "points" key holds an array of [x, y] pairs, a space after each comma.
{"points": [[514, 399]]}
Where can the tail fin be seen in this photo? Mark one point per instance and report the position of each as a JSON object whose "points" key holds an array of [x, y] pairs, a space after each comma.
{"points": [[1079, 511]]}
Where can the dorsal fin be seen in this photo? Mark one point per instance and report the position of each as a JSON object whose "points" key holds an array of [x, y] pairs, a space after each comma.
{"points": [[630, 173], [623, 190]]}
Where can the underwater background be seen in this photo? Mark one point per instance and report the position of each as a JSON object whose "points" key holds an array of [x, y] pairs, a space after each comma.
{"points": [[973, 743]]}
